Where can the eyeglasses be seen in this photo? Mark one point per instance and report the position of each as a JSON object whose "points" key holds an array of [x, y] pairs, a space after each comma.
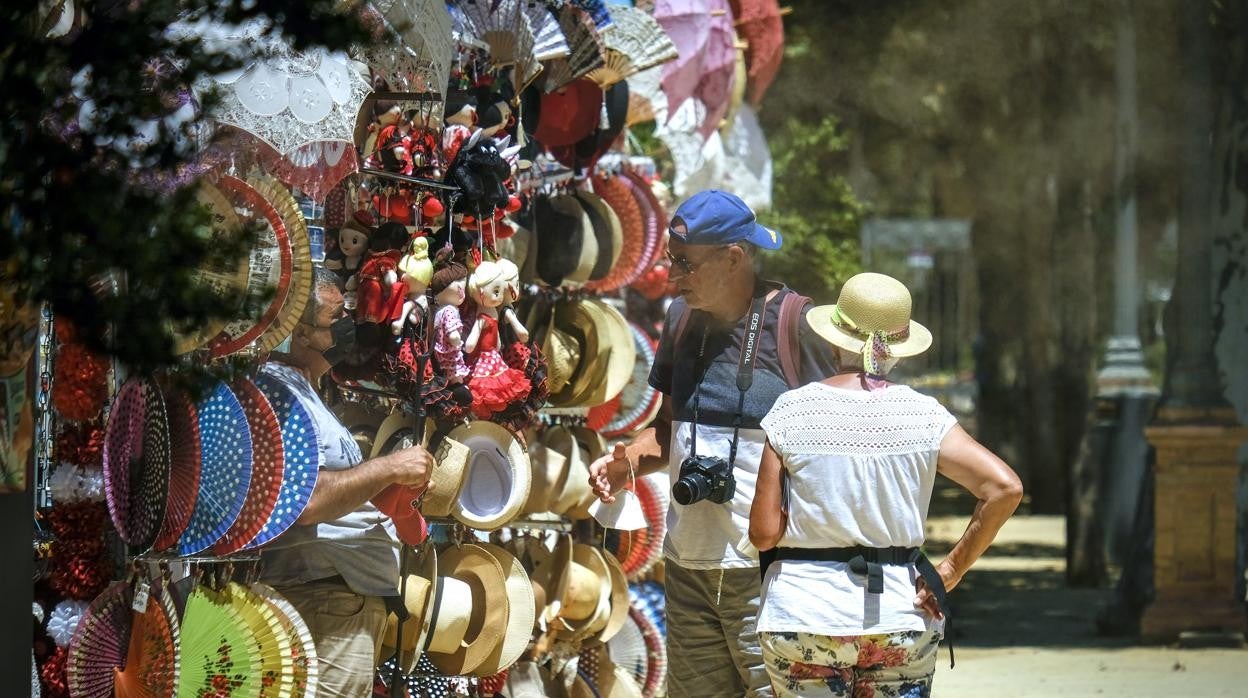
{"points": [[683, 264]]}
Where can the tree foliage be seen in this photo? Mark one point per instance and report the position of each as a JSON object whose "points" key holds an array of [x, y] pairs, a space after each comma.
{"points": [[93, 158]]}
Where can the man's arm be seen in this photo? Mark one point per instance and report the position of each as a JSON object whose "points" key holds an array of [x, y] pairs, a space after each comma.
{"points": [[647, 453], [340, 492]]}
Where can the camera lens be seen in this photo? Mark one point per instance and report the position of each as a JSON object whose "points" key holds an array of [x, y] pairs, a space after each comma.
{"points": [[691, 488]]}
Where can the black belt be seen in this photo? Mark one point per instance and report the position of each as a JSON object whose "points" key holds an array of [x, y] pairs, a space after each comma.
{"points": [[870, 562]]}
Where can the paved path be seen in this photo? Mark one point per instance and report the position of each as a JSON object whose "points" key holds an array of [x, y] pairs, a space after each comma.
{"points": [[1022, 633]]}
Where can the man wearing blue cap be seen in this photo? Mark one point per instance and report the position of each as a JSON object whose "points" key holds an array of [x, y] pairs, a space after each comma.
{"points": [[731, 345]]}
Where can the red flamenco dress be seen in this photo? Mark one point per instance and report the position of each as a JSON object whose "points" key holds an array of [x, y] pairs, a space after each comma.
{"points": [[494, 384]]}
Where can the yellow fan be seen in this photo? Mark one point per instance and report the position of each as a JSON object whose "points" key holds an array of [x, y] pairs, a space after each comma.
{"points": [[272, 640], [637, 42], [302, 648]]}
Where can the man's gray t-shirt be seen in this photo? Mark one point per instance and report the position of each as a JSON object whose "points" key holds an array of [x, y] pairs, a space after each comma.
{"points": [[705, 535], [360, 547]]}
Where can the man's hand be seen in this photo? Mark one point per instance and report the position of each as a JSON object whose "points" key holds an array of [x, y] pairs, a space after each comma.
{"points": [[609, 474], [411, 466]]}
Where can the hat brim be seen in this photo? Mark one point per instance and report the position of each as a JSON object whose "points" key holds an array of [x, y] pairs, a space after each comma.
{"points": [[820, 319], [482, 438], [520, 613]]}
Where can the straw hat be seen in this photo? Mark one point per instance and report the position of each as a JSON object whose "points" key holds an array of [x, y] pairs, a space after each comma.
{"points": [[617, 364], [587, 601], [420, 593], [574, 485], [608, 231], [498, 476], [571, 208], [450, 460], [483, 615], [619, 599], [872, 307], [520, 614], [550, 468]]}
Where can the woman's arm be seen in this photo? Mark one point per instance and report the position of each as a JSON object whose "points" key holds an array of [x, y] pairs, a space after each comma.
{"points": [[965, 461], [767, 519]]}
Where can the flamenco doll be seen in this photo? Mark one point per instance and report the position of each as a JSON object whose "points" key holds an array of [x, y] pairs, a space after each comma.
{"points": [[493, 383], [449, 289], [417, 273], [353, 239]]}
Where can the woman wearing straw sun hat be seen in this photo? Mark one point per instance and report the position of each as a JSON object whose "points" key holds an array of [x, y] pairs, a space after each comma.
{"points": [[843, 491]]}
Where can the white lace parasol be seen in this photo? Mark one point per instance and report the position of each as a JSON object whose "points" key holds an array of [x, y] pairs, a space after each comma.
{"points": [[748, 158]]}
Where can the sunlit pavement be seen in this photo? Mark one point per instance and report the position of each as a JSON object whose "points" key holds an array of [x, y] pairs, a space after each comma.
{"points": [[1021, 632]]}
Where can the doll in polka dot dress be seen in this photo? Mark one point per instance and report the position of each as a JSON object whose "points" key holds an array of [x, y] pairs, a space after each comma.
{"points": [[494, 384]]}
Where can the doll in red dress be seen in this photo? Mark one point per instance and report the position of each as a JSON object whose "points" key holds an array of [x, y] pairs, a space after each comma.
{"points": [[494, 384]]}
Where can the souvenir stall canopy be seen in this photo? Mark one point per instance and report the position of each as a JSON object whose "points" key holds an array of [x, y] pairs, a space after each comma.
{"points": [[467, 182]]}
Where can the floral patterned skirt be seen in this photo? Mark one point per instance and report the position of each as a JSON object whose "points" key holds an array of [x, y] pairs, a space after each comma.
{"points": [[892, 665]]}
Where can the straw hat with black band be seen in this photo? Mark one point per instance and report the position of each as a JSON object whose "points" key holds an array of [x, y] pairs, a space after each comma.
{"points": [[421, 595], [450, 460]]}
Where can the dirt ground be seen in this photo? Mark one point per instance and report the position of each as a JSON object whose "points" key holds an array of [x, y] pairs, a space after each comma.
{"points": [[1022, 632]]}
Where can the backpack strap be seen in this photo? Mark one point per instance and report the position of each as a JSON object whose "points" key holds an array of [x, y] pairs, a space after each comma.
{"points": [[788, 340], [681, 325]]}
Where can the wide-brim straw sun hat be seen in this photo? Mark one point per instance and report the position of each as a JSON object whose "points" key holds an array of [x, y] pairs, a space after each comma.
{"points": [[419, 594], [520, 614], [487, 608], [871, 317]]}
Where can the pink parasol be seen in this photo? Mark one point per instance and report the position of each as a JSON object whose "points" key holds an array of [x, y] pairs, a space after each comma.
{"points": [[705, 39], [759, 23]]}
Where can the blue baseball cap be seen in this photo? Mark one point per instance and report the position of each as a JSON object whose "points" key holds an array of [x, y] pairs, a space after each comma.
{"points": [[715, 217]]}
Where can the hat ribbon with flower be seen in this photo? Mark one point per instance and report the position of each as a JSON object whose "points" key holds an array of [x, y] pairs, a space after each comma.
{"points": [[875, 343]]}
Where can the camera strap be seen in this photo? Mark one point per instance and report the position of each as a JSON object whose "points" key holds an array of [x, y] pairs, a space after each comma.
{"points": [[745, 375]]}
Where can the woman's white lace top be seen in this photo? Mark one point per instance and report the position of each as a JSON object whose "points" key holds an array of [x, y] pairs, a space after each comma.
{"points": [[861, 467]]}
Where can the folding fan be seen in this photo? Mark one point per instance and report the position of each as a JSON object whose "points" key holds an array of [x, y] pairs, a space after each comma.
{"points": [[586, 49], [149, 499], [225, 469], [302, 647], [219, 656], [268, 632], [152, 659], [301, 259], [123, 450], [597, 10], [183, 468], [267, 464], [300, 453], [502, 26], [636, 43], [269, 272], [100, 644], [549, 41], [628, 648]]}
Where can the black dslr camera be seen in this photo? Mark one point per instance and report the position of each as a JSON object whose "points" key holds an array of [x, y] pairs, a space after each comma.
{"points": [[704, 477]]}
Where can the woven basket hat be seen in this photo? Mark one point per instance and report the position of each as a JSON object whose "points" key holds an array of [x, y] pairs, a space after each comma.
{"points": [[871, 317]]}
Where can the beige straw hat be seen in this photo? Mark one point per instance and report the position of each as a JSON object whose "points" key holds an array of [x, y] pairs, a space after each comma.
{"points": [[872, 307], [520, 614], [485, 610]]}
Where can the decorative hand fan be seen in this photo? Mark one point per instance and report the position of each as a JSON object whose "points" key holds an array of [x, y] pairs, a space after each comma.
{"points": [[123, 449], [302, 648], [428, 680], [635, 398], [586, 49], [654, 505], [100, 644], [636, 43], [300, 453], [549, 41], [219, 655], [652, 214], [628, 266], [225, 470], [502, 26], [628, 649], [268, 632], [267, 464], [301, 267], [184, 461], [225, 224], [598, 12], [136, 463], [149, 501], [152, 659], [269, 270]]}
